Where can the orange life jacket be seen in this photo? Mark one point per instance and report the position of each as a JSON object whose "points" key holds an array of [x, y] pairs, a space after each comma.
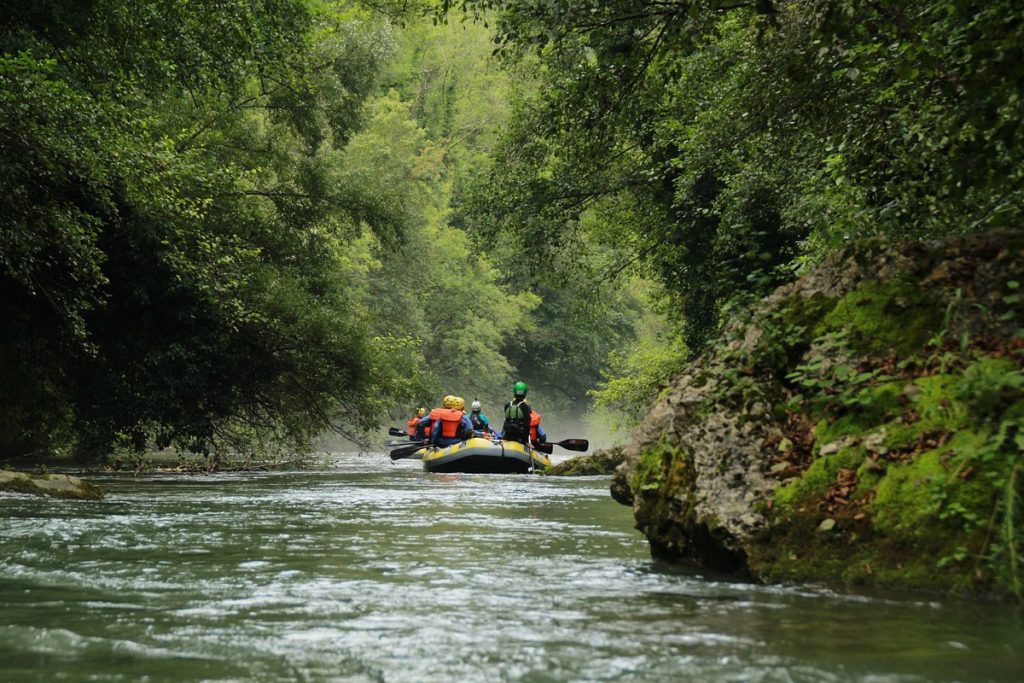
{"points": [[413, 423], [451, 419], [434, 414], [534, 422]]}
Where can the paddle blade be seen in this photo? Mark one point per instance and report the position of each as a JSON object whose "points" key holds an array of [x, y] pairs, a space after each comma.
{"points": [[405, 451], [395, 431], [574, 444], [544, 447]]}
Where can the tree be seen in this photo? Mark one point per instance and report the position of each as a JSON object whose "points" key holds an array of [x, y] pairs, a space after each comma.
{"points": [[434, 285], [176, 250], [751, 137]]}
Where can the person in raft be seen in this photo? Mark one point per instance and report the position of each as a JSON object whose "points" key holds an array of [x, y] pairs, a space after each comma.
{"points": [[517, 416], [414, 424], [537, 434], [479, 421], [426, 423], [452, 425]]}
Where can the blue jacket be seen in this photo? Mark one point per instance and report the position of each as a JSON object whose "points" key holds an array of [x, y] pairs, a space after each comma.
{"points": [[465, 427], [481, 423]]}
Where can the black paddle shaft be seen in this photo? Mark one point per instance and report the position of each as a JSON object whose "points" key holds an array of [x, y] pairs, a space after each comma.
{"points": [[406, 451]]}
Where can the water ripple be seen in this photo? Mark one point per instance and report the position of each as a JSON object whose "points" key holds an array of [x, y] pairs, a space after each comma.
{"points": [[376, 572]]}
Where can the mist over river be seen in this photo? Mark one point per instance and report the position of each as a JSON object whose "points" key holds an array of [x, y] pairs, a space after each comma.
{"points": [[373, 571]]}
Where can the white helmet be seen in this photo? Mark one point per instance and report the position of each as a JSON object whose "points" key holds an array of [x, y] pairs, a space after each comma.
{"points": [[475, 406]]}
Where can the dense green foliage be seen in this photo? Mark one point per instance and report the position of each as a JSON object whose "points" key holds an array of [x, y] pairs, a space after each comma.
{"points": [[231, 227], [212, 220], [735, 140], [244, 223], [174, 238], [482, 315], [637, 372], [436, 285]]}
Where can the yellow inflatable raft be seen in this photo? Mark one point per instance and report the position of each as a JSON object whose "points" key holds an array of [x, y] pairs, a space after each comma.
{"points": [[483, 456]]}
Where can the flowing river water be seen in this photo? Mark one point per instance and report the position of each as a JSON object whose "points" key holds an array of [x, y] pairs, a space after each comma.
{"points": [[372, 571]]}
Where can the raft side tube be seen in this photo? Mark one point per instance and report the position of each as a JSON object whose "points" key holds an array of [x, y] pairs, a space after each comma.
{"points": [[483, 456]]}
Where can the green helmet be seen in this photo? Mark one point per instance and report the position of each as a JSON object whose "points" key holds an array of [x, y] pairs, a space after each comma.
{"points": [[519, 389]]}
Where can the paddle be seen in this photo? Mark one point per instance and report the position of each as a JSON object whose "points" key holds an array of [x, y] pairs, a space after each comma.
{"points": [[567, 444], [406, 451], [395, 444], [395, 431]]}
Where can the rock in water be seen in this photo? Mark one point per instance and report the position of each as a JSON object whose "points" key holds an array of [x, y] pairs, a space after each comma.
{"points": [[872, 399], [55, 485], [601, 462]]}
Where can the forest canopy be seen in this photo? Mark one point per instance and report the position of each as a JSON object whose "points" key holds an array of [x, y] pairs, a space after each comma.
{"points": [[234, 225], [729, 143]]}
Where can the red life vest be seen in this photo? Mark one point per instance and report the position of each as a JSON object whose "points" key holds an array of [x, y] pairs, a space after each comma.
{"points": [[434, 414], [451, 420], [534, 422], [413, 423]]}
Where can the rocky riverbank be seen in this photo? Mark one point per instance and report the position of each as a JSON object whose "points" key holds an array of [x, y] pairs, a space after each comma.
{"points": [[863, 424], [602, 462], [53, 485]]}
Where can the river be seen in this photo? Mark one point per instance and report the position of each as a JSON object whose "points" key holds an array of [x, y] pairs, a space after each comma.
{"points": [[373, 571]]}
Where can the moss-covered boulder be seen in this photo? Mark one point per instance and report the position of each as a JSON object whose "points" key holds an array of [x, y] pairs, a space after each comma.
{"points": [[601, 462], [54, 485], [863, 424]]}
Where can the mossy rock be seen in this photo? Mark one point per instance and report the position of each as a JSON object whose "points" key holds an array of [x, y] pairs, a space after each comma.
{"points": [[906, 361], [815, 481], [879, 410], [649, 472], [852, 553], [602, 462], [905, 498], [915, 522], [53, 485], [916, 518], [911, 496], [803, 315], [883, 317], [805, 311], [659, 474], [872, 406]]}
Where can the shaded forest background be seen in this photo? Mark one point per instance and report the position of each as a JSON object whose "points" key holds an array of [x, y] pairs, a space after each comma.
{"points": [[230, 226]]}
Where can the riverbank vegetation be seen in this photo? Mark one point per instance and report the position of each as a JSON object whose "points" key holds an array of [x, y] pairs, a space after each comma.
{"points": [[179, 200], [861, 425], [231, 227], [722, 149]]}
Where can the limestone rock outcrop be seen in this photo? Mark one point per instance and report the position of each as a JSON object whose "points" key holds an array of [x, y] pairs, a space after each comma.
{"points": [[862, 424], [601, 462]]}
